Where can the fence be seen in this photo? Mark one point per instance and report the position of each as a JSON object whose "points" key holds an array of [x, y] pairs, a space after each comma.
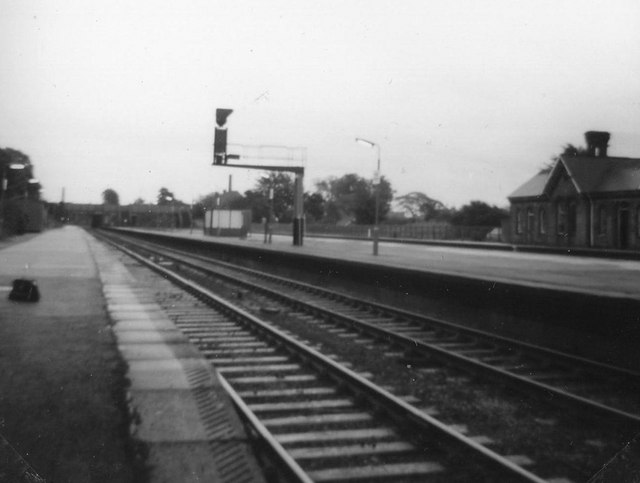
{"points": [[413, 231]]}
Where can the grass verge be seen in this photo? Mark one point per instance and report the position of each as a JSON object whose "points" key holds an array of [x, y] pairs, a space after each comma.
{"points": [[62, 394]]}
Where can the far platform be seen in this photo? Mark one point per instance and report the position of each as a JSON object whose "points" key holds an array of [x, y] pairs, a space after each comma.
{"points": [[589, 275]]}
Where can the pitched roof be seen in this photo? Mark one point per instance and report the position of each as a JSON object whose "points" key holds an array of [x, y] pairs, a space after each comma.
{"points": [[589, 174], [534, 187], [603, 175]]}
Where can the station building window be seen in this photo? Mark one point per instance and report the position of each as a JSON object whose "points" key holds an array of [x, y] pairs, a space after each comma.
{"points": [[530, 221], [602, 220], [542, 221], [519, 221], [572, 218], [562, 219]]}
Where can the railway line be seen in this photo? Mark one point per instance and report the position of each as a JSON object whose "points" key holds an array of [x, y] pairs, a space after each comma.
{"points": [[326, 430]]}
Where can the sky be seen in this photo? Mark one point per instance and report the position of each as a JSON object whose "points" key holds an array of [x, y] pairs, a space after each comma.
{"points": [[466, 99]]}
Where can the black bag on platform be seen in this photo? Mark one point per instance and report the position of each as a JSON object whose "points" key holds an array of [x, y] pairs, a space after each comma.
{"points": [[24, 291]]}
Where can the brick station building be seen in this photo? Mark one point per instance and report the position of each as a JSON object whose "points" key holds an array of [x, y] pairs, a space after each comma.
{"points": [[586, 199]]}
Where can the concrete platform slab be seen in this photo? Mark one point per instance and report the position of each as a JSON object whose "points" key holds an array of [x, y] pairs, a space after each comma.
{"points": [[117, 316], [157, 351], [132, 306], [164, 374], [148, 324], [150, 336], [167, 416], [194, 463]]}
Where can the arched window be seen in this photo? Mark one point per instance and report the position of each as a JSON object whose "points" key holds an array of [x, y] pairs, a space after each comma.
{"points": [[542, 221]]}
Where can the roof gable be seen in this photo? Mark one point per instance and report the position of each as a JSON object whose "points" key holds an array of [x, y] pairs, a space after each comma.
{"points": [[561, 184]]}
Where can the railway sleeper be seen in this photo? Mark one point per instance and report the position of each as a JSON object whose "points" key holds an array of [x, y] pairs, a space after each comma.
{"points": [[302, 406], [363, 435], [213, 353], [327, 452], [260, 368], [283, 423], [271, 394], [371, 473]]}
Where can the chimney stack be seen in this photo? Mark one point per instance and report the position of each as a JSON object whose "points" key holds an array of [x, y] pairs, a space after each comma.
{"points": [[597, 143]]}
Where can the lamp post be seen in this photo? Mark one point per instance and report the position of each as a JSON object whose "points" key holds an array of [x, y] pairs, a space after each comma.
{"points": [[376, 228], [268, 235]]}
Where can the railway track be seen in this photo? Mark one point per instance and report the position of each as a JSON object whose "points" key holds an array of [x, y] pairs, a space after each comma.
{"points": [[420, 340], [322, 421]]}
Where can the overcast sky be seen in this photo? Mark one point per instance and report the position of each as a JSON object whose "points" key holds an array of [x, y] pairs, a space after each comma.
{"points": [[467, 99]]}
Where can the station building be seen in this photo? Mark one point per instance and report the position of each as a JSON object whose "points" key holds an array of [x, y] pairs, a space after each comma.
{"points": [[586, 199]]}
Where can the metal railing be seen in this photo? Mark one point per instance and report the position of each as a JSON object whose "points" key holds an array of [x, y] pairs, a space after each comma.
{"points": [[427, 231]]}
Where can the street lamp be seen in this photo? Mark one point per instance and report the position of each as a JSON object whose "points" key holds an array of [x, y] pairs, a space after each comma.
{"points": [[268, 234], [376, 229]]}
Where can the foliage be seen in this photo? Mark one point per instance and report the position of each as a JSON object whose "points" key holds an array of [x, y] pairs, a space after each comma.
{"points": [[422, 207], [283, 187], [138, 201], [314, 205], [165, 197], [13, 156], [571, 150], [349, 197], [258, 203], [110, 197], [17, 180], [352, 197], [204, 203], [479, 213]]}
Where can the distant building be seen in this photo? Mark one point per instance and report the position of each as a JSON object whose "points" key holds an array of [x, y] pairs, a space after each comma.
{"points": [[584, 200], [176, 215]]}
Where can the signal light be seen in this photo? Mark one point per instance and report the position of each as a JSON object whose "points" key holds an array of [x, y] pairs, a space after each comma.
{"points": [[222, 115], [220, 147], [220, 138]]}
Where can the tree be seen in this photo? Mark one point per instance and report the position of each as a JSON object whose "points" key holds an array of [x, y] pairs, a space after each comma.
{"points": [[165, 197], [17, 157], [352, 197], [479, 213], [110, 197], [258, 203], [283, 187], [569, 150], [138, 201], [422, 207], [16, 180], [314, 205]]}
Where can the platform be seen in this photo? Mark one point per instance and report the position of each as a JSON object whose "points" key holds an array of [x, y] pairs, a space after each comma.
{"points": [[170, 418], [589, 275]]}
